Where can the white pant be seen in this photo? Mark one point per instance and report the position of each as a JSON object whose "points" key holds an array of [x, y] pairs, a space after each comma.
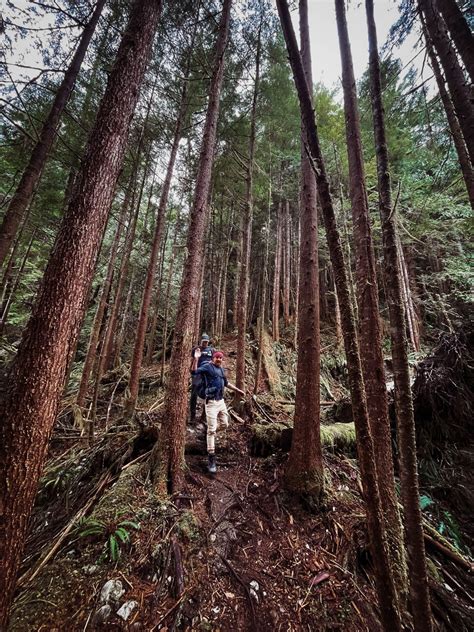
{"points": [[216, 410]]}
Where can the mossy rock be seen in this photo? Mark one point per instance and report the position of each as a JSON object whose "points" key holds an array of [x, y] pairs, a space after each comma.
{"points": [[268, 438]]}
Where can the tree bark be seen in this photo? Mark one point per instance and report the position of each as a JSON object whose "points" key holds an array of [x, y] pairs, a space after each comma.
{"points": [[277, 279], [38, 373], [368, 308], [286, 263], [242, 305], [460, 32], [32, 173], [458, 87], [168, 454], [420, 603], [384, 579], [453, 122], [304, 474]]}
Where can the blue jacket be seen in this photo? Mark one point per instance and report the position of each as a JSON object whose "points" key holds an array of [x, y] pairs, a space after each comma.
{"points": [[214, 378]]}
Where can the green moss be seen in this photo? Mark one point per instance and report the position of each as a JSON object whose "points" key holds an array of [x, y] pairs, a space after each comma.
{"points": [[189, 526], [338, 437]]}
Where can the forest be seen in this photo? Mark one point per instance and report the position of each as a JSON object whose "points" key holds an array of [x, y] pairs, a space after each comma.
{"points": [[236, 316]]}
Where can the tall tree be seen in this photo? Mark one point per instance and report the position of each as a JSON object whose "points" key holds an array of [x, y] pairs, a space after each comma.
{"points": [[246, 227], [33, 170], [460, 32], [384, 579], [368, 309], [304, 473], [168, 454], [277, 276], [102, 303], [420, 601], [457, 83], [137, 356], [465, 162], [39, 371]]}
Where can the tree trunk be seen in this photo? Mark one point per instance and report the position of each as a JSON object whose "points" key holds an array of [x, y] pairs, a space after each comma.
{"points": [[110, 347], [104, 296], [32, 173], [8, 302], [286, 263], [420, 603], [137, 356], [304, 473], [453, 122], [242, 305], [458, 87], [168, 454], [384, 580], [261, 319], [37, 376], [460, 32], [276, 279], [410, 311], [369, 322]]}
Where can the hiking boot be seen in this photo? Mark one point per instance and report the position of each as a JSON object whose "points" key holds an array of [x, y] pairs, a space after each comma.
{"points": [[211, 464]]}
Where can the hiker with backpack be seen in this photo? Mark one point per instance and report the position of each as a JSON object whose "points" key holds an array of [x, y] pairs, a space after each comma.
{"points": [[205, 355], [212, 390]]}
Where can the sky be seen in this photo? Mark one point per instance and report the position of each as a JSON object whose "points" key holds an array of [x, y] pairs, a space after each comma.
{"points": [[323, 33], [324, 42]]}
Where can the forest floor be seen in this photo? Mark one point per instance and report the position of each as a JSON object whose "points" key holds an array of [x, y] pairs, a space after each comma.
{"points": [[230, 552]]}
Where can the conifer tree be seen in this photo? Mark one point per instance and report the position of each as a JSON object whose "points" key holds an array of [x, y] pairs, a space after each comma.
{"points": [[38, 374]]}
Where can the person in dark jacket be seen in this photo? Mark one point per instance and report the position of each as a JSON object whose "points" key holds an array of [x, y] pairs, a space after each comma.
{"points": [[216, 410], [205, 355]]}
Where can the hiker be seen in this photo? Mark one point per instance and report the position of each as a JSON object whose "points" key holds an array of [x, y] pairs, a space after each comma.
{"points": [[212, 389], [205, 355]]}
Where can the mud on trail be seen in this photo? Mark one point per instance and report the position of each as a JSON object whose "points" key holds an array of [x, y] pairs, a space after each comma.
{"points": [[232, 551]]}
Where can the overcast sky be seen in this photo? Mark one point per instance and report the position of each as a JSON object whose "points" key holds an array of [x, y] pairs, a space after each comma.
{"points": [[324, 42], [323, 31]]}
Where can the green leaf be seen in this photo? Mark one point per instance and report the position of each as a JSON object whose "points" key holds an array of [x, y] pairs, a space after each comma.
{"points": [[425, 501], [123, 534], [129, 523], [114, 548]]}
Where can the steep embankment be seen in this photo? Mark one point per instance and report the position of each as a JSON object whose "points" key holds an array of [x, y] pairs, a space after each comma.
{"points": [[231, 552]]}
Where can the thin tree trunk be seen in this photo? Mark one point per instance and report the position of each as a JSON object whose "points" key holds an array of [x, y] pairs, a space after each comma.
{"points": [[369, 323], [460, 32], [104, 296], [154, 321], [110, 346], [304, 473], [276, 279], [242, 305], [453, 122], [137, 356], [37, 376], [123, 324], [458, 86], [32, 173], [420, 602], [384, 580], [286, 263], [167, 302], [265, 280], [412, 321], [6, 308], [168, 454]]}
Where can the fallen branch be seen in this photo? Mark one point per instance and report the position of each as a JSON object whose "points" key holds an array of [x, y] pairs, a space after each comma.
{"points": [[244, 586], [448, 552]]}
